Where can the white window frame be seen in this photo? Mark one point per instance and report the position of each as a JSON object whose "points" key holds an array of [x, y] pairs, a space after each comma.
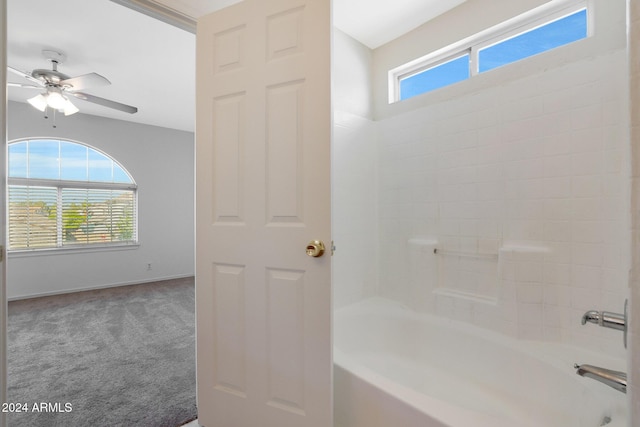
{"points": [[511, 28]]}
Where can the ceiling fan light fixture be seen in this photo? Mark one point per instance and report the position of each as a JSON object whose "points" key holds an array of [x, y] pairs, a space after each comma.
{"points": [[56, 100], [39, 102], [70, 109]]}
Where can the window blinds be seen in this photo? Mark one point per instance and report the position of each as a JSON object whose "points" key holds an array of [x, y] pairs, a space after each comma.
{"points": [[32, 217], [50, 217]]}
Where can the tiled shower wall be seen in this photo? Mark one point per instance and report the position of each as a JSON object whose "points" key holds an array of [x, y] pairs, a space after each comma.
{"points": [[523, 188]]}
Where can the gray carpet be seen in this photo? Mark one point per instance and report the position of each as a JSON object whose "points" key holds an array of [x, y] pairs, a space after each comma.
{"points": [[120, 357]]}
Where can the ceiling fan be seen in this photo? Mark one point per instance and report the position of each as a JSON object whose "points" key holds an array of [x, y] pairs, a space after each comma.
{"points": [[58, 87]]}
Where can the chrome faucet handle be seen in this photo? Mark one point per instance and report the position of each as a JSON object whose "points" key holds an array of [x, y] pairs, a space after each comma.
{"points": [[608, 320], [591, 316], [604, 318]]}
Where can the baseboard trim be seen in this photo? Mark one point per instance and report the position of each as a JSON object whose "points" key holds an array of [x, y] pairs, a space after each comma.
{"points": [[94, 288]]}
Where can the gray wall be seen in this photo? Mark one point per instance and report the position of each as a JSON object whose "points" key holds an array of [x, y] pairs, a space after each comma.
{"points": [[161, 162]]}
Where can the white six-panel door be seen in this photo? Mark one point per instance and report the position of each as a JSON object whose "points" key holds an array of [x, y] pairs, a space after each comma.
{"points": [[263, 192]]}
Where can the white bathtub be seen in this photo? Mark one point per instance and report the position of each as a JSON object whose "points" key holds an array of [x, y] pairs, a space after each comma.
{"points": [[394, 367]]}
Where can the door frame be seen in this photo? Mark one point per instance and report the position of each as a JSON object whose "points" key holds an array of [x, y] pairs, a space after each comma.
{"points": [[161, 13], [3, 174]]}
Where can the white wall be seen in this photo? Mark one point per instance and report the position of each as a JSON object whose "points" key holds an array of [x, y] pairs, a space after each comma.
{"points": [[352, 90], [354, 159], [523, 167], [161, 162]]}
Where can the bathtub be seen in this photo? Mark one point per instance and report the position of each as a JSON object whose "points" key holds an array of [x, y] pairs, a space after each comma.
{"points": [[394, 367]]}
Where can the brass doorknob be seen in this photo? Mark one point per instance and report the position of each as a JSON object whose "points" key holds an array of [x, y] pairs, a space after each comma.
{"points": [[315, 248]]}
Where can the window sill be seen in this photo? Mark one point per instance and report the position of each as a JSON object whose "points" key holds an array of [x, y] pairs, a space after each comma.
{"points": [[72, 250]]}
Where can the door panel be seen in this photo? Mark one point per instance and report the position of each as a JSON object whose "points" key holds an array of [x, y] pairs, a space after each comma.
{"points": [[263, 190]]}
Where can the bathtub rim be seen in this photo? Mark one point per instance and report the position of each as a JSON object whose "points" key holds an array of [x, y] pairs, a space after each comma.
{"points": [[447, 414], [557, 355]]}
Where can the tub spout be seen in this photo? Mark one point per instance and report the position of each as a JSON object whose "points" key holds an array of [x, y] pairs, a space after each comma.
{"points": [[614, 379]]}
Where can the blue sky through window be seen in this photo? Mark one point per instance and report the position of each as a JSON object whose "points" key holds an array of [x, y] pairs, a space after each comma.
{"points": [[433, 78], [73, 161], [18, 160], [43, 159], [100, 167], [555, 34], [69, 161]]}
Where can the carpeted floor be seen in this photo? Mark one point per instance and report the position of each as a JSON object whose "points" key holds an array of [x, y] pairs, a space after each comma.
{"points": [[114, 357]]}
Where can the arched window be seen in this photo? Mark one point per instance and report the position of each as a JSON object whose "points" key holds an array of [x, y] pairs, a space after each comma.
{"points": [[66, 194]]}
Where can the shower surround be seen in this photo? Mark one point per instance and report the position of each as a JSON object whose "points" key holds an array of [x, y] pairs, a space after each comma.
{"points": [[501, 201]]}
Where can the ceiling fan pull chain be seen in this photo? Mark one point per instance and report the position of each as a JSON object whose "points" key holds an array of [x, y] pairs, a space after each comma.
{"points": [[46, 115]]}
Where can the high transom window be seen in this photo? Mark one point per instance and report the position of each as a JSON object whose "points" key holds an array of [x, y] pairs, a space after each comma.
{"points": [[520, 38], [66, 194]]}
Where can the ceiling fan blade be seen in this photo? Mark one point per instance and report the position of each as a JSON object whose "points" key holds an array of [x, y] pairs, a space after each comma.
{"points": [[10, 84], [26, 76], [104, 102], [86, 80]]}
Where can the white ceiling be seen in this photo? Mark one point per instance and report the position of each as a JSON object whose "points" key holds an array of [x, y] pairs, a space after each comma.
{"points": [[376, 22], [372, 22], [150, 64]]}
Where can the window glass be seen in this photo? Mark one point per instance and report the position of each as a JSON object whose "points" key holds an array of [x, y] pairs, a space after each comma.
{"points": [[73, 161], [100, 167], [435, 77], [18, 159], [119, 175], [43, 159], [554, 34], [476, 55]]}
